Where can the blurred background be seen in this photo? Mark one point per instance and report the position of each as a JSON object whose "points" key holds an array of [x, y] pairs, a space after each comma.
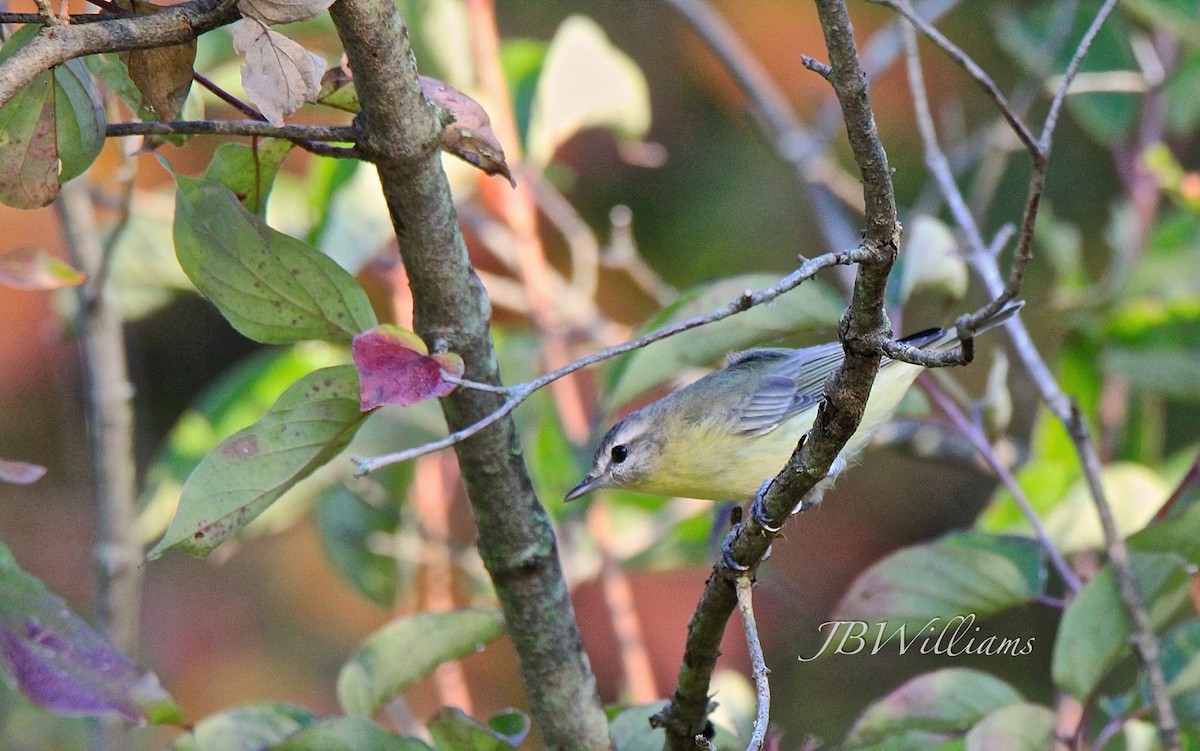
{"points": [[679, 193]]}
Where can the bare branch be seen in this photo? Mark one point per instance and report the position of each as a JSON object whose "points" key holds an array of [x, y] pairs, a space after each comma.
{"points": [[985, 264], [758, 664], [344, 133]]}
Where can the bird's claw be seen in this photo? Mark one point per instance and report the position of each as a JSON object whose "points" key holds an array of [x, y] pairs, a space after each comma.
{"points": [[727, 559], [758, 514]]}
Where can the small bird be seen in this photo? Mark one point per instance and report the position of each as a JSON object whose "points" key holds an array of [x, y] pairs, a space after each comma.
{"points": [[724, 435]]}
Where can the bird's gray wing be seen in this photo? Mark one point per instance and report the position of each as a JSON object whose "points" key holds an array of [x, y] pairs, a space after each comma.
{"points": [[794, 380]]}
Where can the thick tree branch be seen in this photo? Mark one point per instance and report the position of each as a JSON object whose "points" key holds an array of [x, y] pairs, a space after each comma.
{"points": [[846, 393], [54, 45], [451, 312]]}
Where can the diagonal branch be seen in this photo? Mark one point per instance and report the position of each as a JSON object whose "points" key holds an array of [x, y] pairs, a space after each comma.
{"points": [[984, 262], [846, 394]]}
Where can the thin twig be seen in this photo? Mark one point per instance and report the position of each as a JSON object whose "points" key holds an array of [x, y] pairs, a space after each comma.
{"points": [[972, 432], [973, 69], [758, 664], [1143, 639], [518, 394], [345, 133], [110, 427]]}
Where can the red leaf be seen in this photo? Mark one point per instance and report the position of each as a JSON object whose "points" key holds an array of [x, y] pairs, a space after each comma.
{"points": [[394, 368]]}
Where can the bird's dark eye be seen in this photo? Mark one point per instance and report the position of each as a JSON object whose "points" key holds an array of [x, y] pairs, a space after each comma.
{"points": [[619, 454]]}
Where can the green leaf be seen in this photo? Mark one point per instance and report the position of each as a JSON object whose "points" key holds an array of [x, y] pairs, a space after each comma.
{"points": [[236, 400], [1134, 493], [61, 664], [348, 734], [271, 287], [938, 706], [1180, 535], [1045, 478], [809, 307], [53, 129], [1017, 727], [585, 82], [970, 572], [249, 171], [1155, 344], [1181, 666], [930, 260], [1093, 635], [454, 730], [309, 425], [404, 651], [247, 728], [1025, 33], [348, 525]]}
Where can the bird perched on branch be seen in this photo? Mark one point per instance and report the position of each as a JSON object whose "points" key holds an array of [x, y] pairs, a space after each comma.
{"points": [[722, 436]]}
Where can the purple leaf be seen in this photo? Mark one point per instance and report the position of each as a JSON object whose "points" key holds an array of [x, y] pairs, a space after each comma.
{"points": [[60, 663], [394, 367]]}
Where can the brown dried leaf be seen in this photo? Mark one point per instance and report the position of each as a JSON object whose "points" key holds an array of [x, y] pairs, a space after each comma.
{"points": [[279, 75], [469, 136], [282, 11], [163, 74]]}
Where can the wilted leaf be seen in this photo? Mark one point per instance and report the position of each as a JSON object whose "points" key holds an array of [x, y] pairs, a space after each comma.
{"points": [[944, 703], [249, 170], [34, 269], [470, 136], [306, 427], [405, 651], [268, 285], [454, 730], [60, 663], [52, 129], [1016, 727], [810, 307], [163, 75], [1093, 635], [246, 728], [20, 473], [337, 90], [282, 11], [279, 75], [962, 573], [930, 260], [394, 368], [997, 407], [585, 82], [348, 734]]}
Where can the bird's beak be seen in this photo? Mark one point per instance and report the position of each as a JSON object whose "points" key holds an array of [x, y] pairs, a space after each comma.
{"points": [[589, 483]]}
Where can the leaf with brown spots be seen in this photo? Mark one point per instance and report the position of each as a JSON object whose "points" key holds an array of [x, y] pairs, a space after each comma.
{"points": [[270, 286], [50, 132], [303, 430]]}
